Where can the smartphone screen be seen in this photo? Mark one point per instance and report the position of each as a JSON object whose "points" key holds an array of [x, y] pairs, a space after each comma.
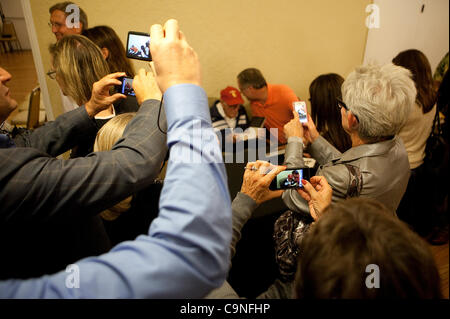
{"points": [[290, 178], [300, 108], [127, 86], [138, 46]]}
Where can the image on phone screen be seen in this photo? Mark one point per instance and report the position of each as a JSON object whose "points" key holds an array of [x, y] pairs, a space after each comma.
{"points": [[138, 46], [300, 108], [290, 178], [127, 86]]}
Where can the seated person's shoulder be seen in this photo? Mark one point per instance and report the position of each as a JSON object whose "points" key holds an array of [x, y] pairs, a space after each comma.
{"points": [[281, 88], [284, 93], [215, 115]]}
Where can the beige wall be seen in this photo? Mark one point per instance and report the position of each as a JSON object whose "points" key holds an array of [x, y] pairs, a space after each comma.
{"points": [[404, 26], [290, 41]]}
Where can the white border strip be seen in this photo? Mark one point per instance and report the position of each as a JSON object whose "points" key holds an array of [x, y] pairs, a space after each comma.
{"points": [[26, 7]]}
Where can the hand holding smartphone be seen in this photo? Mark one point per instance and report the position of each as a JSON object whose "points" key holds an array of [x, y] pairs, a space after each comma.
{"points": [[126, 87], [138, 46], [300, 108]]}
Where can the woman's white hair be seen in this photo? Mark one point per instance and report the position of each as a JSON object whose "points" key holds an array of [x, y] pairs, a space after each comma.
{"points": [[381, 97]]}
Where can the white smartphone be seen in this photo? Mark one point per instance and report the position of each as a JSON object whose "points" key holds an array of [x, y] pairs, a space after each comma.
{"points": [[300, 108]]}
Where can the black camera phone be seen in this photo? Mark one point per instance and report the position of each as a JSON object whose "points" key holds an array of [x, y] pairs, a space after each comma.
{"points": [[290, 178], [126, 87], [138, 46]]}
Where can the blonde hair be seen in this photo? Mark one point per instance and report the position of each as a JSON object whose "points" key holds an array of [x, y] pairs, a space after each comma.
{"points": [[107, 136], [78, 63]]}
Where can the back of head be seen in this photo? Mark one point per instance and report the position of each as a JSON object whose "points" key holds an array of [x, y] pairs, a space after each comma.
{"points": [[111, 132], [416, 62], [106, 37], [107, 136], [61, 6], [251, 77], [358, 233], [78, 63], [382, 97], [324, 91]]}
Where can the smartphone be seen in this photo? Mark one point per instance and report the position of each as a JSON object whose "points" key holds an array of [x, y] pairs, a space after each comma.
{"points": [[300, 108], [126, 87], [138, 46], [290, 178]]}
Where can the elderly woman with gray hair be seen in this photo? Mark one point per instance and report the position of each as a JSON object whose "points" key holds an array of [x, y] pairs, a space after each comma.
{"points": [[377, 103]]}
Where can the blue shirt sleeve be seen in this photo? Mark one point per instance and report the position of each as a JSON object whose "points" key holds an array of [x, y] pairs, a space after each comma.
{"points": [[186, 252]]}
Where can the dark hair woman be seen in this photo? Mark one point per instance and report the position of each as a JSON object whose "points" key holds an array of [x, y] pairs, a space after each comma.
{"points": [[417, 63], [112, 48], [324, 92], [414, 135]]}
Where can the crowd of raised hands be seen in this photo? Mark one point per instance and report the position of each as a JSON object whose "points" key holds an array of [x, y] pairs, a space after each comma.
{"points": [[186, 253]]}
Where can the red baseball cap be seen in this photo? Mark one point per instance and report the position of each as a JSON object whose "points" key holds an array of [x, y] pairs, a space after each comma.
{"points": [[231, 96]]}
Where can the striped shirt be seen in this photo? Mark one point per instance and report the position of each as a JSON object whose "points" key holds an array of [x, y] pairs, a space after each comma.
{"points": [[221, 122]]}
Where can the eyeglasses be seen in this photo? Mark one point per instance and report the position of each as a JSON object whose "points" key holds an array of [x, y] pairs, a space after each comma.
{"points": [[55, 24], [52, 74], [341, 104]]}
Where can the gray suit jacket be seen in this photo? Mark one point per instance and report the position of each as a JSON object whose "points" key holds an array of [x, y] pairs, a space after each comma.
{"points": [[56, 137], [48, 206], [383, 168], [36, 186]]}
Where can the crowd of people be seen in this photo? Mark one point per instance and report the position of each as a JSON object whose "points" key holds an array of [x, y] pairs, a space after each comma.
{"points": [[133, 235]]}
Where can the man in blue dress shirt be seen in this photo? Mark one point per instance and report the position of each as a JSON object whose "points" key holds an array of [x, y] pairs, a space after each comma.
{"points": [[185, 254]]}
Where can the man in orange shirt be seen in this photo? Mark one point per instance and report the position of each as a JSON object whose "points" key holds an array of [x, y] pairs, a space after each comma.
{"points": [[272, 101]]}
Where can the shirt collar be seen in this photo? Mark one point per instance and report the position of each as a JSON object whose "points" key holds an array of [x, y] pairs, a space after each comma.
{"points": [[270, 96], [368, 150]]}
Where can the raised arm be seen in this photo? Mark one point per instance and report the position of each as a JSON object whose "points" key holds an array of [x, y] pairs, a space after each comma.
{"points": [[254, 191], [69, 129], [36, 186], [319, 149], [186, 252]]}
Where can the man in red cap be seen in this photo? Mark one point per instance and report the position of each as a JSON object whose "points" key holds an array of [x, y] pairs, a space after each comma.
{"points": [[228, 113]]}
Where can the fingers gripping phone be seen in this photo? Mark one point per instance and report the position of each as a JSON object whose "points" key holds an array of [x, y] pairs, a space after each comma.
{"points": [[300, 108], [290, 178], [126, 87], [138, 46]]}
